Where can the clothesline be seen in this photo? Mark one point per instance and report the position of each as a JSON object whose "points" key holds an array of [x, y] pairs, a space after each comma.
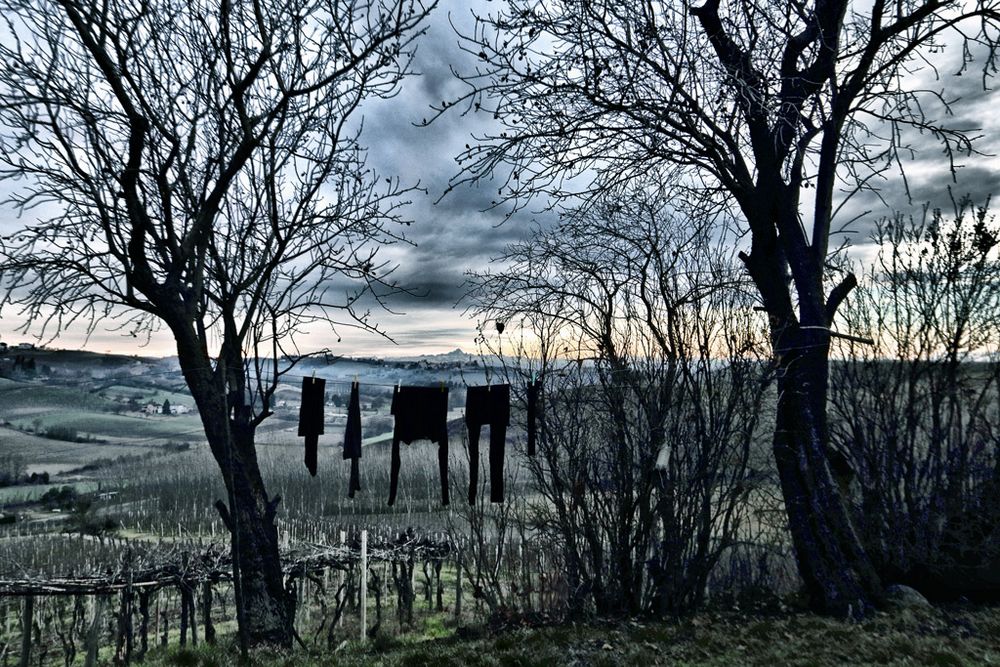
{"points": [[421, 413]]}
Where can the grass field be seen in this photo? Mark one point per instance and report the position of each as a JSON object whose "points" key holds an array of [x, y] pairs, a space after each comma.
{"points": [[21, 494], [946, 637], [38, 451], [123, 426], [148, 394], [36, 407], [16, 397]]}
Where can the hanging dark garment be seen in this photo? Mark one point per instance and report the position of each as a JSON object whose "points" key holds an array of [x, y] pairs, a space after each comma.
{"points": [[352, 440], [311, 417], [487, 405], [534, 393], [421, 414]]}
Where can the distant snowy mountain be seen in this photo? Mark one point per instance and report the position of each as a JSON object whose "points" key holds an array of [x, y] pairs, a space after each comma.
{"points": [[455, 356]]}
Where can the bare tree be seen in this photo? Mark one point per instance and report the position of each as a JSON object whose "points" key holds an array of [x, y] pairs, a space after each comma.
{"points": [[916, 414], [754, 103], [197, 166], [653, 396]]}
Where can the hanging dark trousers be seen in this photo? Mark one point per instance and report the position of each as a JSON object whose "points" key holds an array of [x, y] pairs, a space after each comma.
{"points": [[421, 413], [487, 405], [534, 394], [311, 417], [352, 440]]}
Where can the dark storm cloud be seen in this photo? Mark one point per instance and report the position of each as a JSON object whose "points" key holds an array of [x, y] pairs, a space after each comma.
{"points": [[931, 177], [459, 231]]}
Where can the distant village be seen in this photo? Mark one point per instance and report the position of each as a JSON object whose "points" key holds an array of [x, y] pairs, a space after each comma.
{"points": [[4, 348], [18, 360]]}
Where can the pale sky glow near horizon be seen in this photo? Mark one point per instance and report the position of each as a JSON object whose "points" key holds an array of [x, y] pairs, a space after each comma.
{"points": [[456, 234]]}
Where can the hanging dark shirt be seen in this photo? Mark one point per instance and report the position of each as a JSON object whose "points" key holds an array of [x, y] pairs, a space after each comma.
{"points": [[311, 417], [534, 394], [352, 440], [421, 414], [487, 405]]}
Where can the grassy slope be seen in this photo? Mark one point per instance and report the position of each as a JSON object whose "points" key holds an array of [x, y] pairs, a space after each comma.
{"points": [[27, 404], [19, 399], [148, 394], [956, 636]]}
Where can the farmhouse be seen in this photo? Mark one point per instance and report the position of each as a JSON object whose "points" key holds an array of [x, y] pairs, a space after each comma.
{"points": [[175, 409]]}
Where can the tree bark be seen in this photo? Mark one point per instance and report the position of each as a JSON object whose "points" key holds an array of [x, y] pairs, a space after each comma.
{"points": [[143, 624], [838, 575], [265, 611]]}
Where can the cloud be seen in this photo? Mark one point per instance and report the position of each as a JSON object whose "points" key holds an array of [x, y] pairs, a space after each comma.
{"points": [[461, 232], [930, 175]]}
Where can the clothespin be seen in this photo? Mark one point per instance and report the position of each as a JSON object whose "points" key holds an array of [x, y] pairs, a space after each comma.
{"points": [[355, 378], [442, 385], [314, 376]]}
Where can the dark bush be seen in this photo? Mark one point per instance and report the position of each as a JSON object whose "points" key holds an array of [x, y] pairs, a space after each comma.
{"points": [[63, 497], [62, 433]]}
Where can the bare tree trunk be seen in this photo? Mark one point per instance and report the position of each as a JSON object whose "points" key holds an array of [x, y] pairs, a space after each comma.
{"points": [[184, 618], [123, 632], [93, 634], [265, 610], [165, 633], [837, 573], [143, 624], [187, 599]]}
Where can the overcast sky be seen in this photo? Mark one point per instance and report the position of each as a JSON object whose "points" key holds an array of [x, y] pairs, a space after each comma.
{"points": [[454, 235]]}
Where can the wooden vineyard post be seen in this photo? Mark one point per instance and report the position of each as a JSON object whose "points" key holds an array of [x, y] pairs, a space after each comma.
{"points": [[27, 620], [164, 625], [341, 575], [458, 585], [206, 609], [364, 585], [94, 633]]}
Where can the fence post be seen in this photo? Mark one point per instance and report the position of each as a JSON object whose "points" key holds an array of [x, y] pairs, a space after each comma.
{"points": [[364, 585]]}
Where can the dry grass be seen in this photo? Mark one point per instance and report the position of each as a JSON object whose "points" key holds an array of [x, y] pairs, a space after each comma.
{"points": [[950, 636]]}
